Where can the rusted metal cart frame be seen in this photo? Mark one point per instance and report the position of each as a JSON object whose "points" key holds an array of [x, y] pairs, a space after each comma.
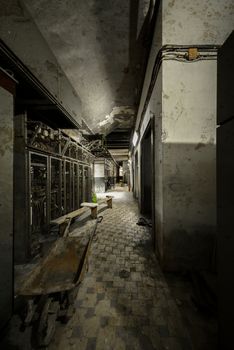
{"points": [[51, 287]]}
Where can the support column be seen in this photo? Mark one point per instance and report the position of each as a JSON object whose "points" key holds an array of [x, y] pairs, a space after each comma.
{"points": [[6, 197]]}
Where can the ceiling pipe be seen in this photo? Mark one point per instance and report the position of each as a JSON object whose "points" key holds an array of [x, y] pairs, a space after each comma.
{"points": [[172, 52]]}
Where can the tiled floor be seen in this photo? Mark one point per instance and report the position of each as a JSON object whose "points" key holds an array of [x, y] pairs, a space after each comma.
{"points": [[201, 324], [124, 301]]}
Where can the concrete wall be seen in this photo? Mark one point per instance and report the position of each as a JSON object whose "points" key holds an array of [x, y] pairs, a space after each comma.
{"points": [[21, 35], [99, 177], [189, 163], [183, 103], [6, 205], [154, 109], [155, 106], [196, 22], [188, 132]]}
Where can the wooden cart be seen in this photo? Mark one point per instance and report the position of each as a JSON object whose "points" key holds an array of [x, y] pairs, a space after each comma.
{"points": [[50, 289]]}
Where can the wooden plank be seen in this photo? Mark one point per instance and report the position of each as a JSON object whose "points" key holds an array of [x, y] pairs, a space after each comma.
{"points": [[59, 220], [89, 205], [73, 214]]}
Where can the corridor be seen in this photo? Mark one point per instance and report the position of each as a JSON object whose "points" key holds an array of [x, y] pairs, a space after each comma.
{"points": [[129, 102], [124, 301]]}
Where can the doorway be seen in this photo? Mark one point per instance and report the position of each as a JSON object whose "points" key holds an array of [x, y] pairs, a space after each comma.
{"points": [[136, 177], [147, 176]]}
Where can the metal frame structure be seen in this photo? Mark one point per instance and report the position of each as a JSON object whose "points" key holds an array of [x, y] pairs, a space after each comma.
{"points": [[54, 191]]}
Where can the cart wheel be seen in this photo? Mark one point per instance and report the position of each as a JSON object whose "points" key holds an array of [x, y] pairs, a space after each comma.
{"points": [[46, 324], [67, 314], [68, 309]]}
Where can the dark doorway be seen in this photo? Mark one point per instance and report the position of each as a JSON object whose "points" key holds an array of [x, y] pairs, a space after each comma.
{"points": [[136, 177], [146, 173]]}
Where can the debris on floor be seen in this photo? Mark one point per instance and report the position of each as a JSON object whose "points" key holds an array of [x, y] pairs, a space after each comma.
{"points": [[124, 301], [143, 222]]}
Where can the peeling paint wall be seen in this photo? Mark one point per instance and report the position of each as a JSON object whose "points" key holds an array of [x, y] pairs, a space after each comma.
{"points": [[184, 106], [189, 163], [197, 22], [22, 36], [6, 205], [188, 133]]}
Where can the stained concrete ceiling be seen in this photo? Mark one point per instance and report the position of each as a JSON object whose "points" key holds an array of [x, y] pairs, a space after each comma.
{"points": [[102, 46]]}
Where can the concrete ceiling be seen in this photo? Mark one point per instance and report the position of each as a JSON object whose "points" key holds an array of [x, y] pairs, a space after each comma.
{"points": [[101, 45], [120, 154]]}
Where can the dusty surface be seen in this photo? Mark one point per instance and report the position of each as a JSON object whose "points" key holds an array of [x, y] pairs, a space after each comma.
{"points": [[124, 301], [57, 271], [99, 45]]}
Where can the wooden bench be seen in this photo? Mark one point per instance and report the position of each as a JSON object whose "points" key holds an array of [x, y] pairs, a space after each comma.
{"points": [[92, 207], [107, 200], [64, 221]]}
